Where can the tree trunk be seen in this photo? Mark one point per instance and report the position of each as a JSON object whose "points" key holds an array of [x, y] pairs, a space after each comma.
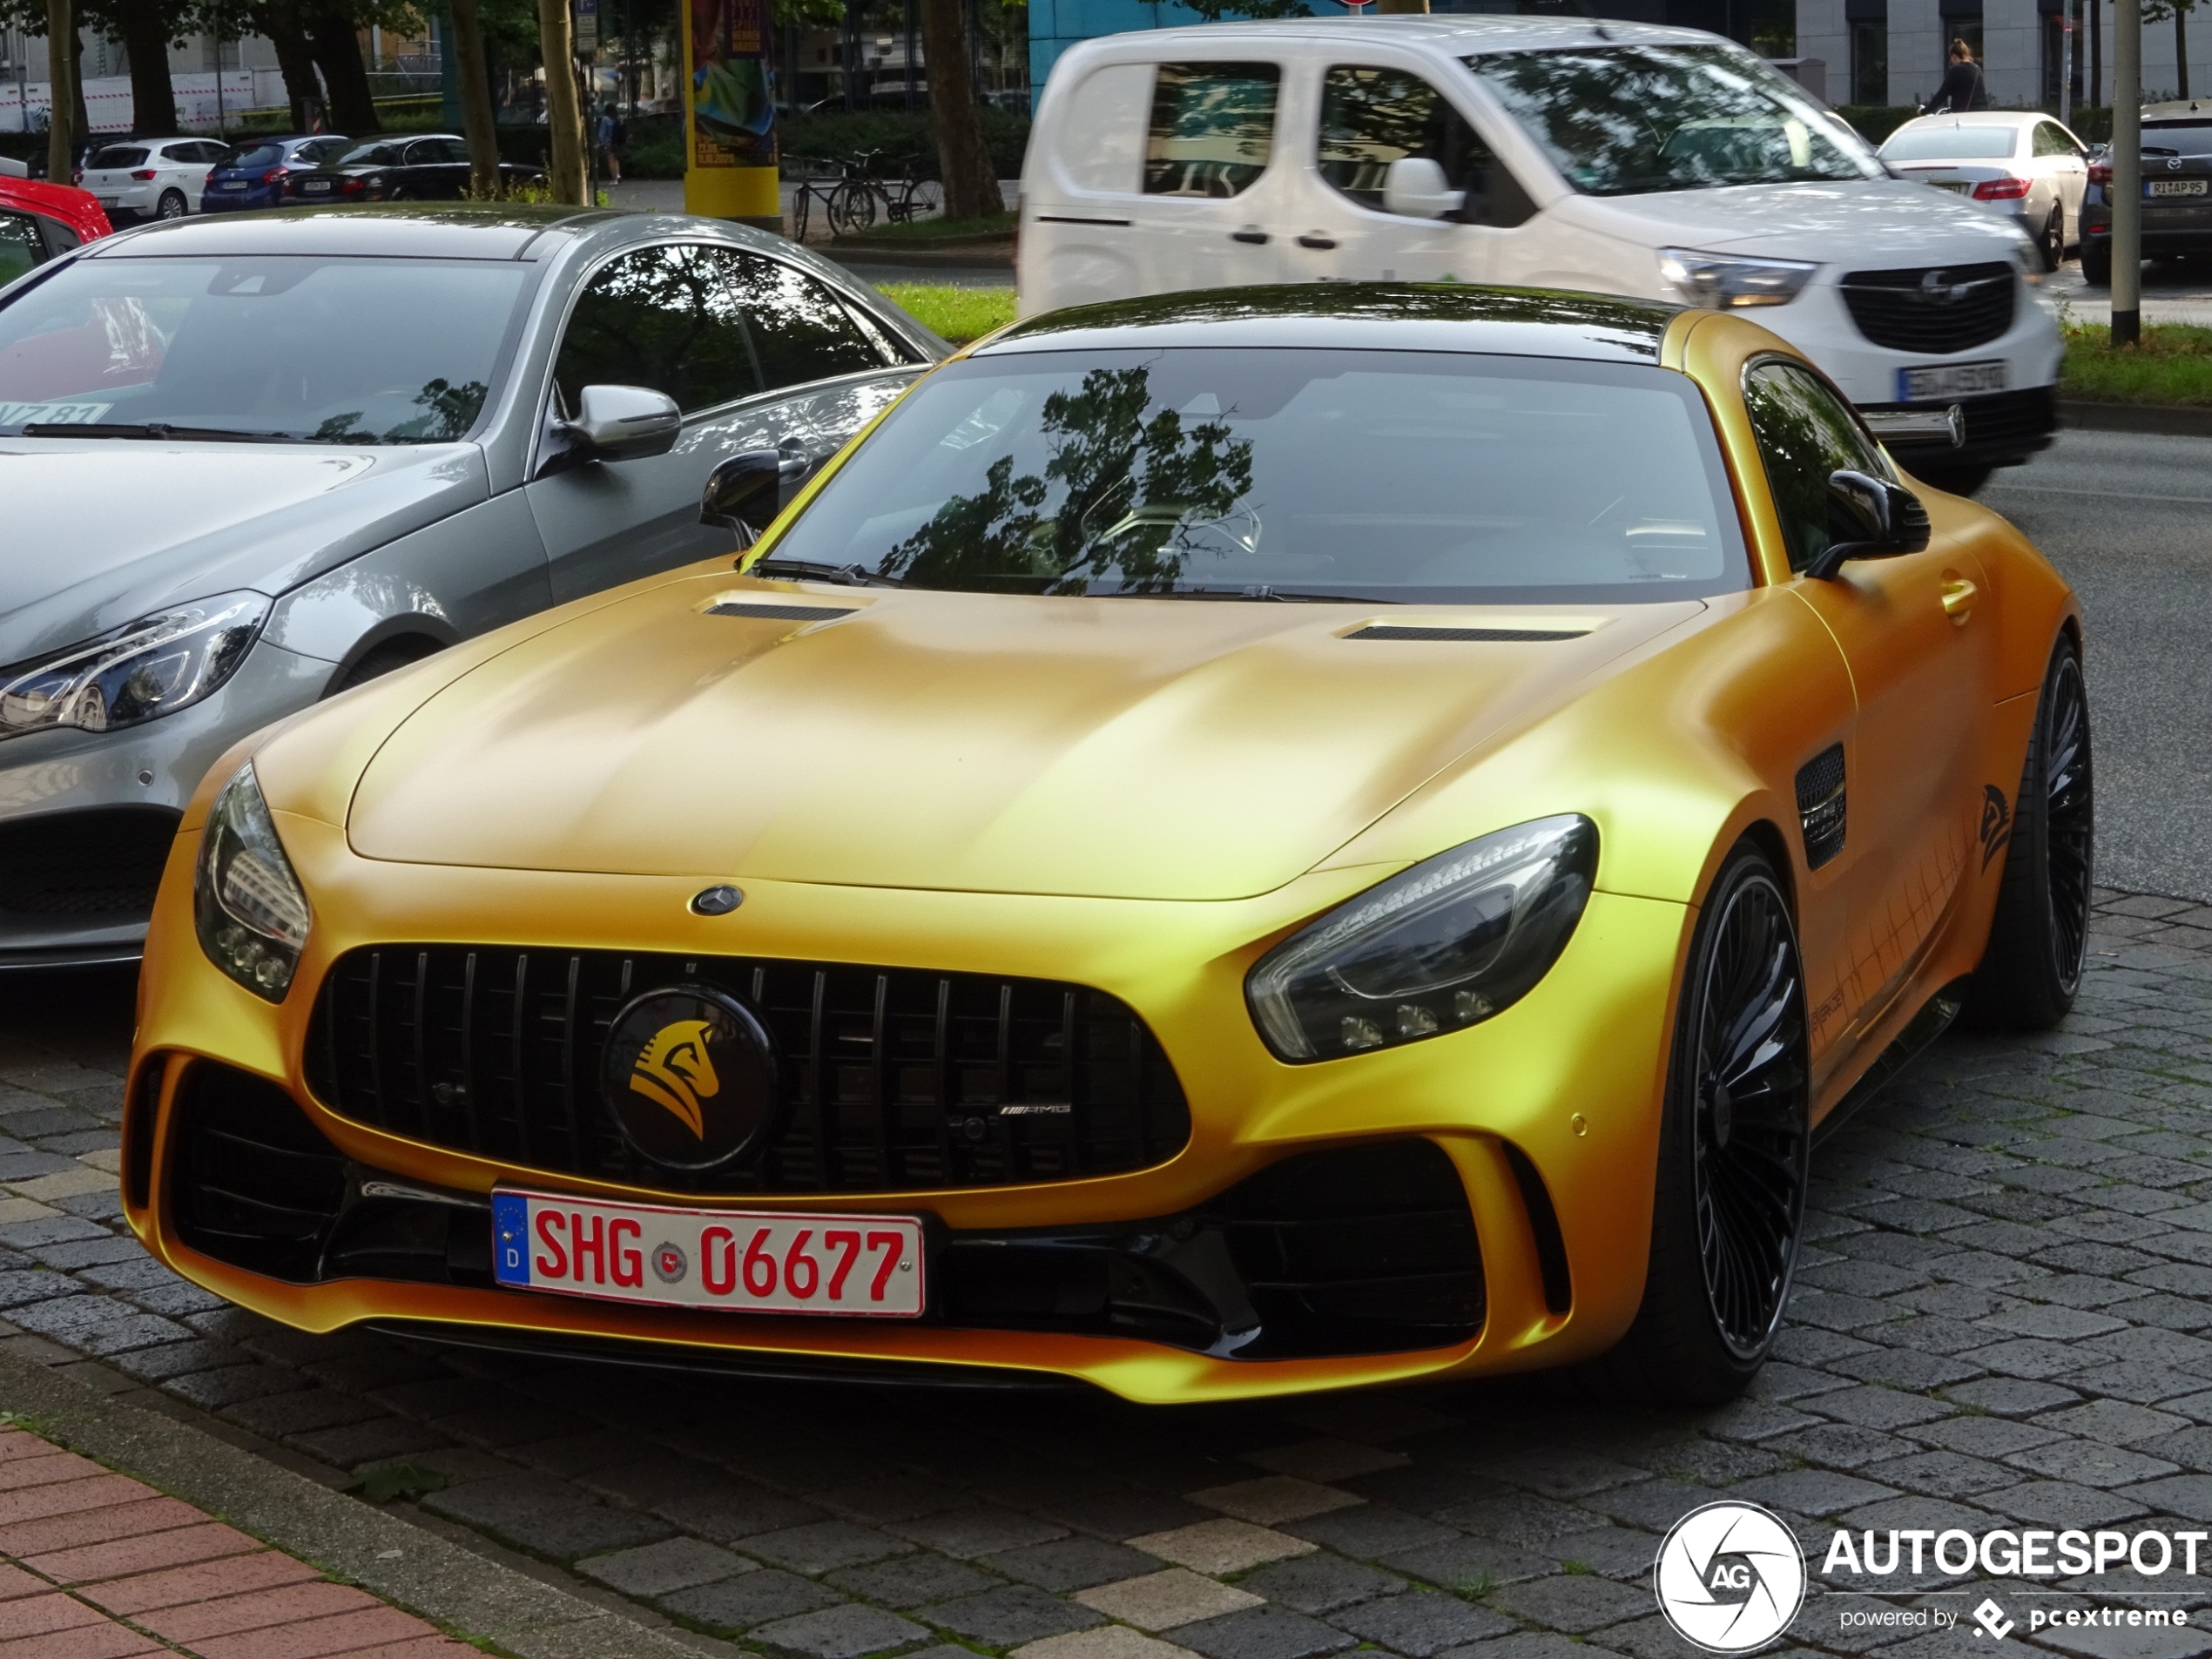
{"points": [[295, 61], [971, 182], [146, 37], [477, 120], [564, 111], [2097, 53], [61, 75], [337, 51]]}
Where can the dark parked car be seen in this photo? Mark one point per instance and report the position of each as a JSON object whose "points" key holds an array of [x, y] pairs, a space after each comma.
{"points": [[2177, 195], [433, 167], [253, 174]]}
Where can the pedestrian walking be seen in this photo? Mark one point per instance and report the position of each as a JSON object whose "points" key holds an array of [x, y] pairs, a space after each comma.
{"points": [[1962, 88], [611, 134]]}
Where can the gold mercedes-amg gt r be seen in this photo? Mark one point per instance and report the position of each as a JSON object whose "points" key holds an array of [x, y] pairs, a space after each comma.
{"points": [[1232, 844]]}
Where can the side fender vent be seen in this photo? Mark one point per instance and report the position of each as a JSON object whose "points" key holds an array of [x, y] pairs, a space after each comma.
{"points": [[1820, 805]]}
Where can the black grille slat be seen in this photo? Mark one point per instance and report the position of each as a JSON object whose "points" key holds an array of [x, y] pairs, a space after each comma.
{"points": [[1935, 310], [1463, 635], [891, 1078]]}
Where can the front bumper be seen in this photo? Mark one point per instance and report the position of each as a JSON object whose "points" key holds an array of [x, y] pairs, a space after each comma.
{"points": [[77, 808], [213, 200], [1546, 1114]]}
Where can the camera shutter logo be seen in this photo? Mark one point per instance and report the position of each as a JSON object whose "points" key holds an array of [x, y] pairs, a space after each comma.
{"points": [[1730, 1577]]}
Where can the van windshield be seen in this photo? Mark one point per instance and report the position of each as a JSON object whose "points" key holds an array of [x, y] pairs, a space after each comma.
{"points": [[1426, 477], [1632, 120]]}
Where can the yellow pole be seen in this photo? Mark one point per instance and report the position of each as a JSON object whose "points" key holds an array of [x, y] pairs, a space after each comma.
{"points": [[730, 114]]}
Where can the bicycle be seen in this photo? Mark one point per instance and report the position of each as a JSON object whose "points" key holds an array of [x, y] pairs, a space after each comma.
{"points": [[854, 201]]}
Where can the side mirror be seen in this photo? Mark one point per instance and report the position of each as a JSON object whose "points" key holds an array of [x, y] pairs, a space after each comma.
{"points": [[1869, 518], [744, 492], [1414, 187], [624, 422]]}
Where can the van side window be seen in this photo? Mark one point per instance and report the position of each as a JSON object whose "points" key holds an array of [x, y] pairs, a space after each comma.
{"points": [[1213, 126], [1371, 118]]}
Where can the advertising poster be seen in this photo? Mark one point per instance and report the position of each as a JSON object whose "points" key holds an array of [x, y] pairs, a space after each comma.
{"points": [[734, 111]]}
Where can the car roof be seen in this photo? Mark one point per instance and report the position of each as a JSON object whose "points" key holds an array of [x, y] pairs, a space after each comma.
{"points": [[1455, 35], [1977, 119], [407, 230], [1379, 316]]}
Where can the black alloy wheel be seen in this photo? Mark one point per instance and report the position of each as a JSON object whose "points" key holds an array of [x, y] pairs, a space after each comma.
{"points": [[1734, 1148], [2039, 940]]}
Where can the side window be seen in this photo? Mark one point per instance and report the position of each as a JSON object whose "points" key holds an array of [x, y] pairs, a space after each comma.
{"points": [[2051, 140], [1371, 118], [1213, 126], [21, 247], [662, 317], [1804, 433], [801, 330]]}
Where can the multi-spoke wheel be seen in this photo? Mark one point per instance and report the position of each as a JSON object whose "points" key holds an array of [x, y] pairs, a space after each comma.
{"points": [[2040, 936], [1729, 1204]]}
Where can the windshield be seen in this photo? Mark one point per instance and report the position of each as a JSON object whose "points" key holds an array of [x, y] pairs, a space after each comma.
{"points": [[314, 350], [260, 155], [1629, 120], [113, 157], [380, 155], [1414, 476], [2183, 139], [1952, 144]]}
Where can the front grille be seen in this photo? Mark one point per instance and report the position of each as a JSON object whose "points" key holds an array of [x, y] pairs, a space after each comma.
{"points": [[889, 1078], [103, 862], [1934, 310]]}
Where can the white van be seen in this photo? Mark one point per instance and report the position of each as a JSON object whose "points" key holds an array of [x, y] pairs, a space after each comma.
{"points": [[1545, 152]]}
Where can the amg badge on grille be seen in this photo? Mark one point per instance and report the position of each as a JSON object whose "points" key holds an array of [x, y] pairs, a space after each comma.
{"points": [[689, 1076]]}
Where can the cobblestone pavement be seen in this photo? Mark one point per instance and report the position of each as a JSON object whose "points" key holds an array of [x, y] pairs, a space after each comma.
{"points": [[2003, 1319]]}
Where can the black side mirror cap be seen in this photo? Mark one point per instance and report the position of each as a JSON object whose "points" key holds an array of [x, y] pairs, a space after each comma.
{"points": [[1868, 518], [745, 491]]}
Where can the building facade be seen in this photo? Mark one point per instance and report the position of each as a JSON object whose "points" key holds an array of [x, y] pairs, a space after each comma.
{"points": [[1893, 51]]}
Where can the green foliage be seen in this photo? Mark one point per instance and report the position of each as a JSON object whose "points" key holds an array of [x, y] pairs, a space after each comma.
{"points": [[992, 227], [2172, 367], [1223, 11], [960, 315], [1875, 122]]}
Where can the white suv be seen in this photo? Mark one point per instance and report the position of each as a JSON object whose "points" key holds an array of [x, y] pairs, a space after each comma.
{"points": [[1545, 152], [151, 178]]}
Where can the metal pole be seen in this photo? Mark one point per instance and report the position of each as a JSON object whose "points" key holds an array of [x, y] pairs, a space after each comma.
{"points": [[2127, 184], [2066, 67]]}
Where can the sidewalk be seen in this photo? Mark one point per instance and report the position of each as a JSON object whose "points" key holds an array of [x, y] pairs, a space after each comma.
{"points": [[94, 1565]]}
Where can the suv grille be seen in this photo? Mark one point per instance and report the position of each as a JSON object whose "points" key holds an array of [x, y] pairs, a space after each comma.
{"points": [[1933, 309], [891, 1077]]}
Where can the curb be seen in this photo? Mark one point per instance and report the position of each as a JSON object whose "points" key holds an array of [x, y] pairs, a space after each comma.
{"points": [[404, 1564], [2168, 421]]}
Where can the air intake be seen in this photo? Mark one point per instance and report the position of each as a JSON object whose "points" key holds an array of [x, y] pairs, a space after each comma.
{"points": [[1465, 635], [1820, 805], [781, 613]]}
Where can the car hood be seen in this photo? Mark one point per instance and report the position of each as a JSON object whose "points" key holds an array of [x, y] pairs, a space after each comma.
{"points": [[1123, 748], [1868, 222], [102, 531]]}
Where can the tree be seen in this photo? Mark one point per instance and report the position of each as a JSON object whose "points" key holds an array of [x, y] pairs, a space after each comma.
{"points": [[476, 115], [564, 176], [67, 92], [2159, 11], [963, 157], [145, 28]]}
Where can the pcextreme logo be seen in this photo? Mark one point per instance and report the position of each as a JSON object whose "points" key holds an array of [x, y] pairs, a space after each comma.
{"points": [[1730, 1577]]}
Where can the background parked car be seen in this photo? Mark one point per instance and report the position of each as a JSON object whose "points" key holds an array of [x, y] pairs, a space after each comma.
{"points": [[287, 452], [2020, 163], [38, 221], [253, 174], [151, 178], [2177, 192], [431, 168]]}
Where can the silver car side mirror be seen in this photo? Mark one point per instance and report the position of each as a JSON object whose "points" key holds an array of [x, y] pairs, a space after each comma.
{"points": [[1415, 187], [624, 422]]}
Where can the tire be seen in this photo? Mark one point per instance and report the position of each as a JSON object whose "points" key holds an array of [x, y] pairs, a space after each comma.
{"points": [[2096, 265], [379, 660], [2032, 967], [172, 205], [1733, 1148], [2052, 241], [852, 210]]}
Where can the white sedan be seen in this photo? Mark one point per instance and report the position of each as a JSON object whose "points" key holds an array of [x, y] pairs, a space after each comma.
{"points": [[2020, 162], [151, 178]]}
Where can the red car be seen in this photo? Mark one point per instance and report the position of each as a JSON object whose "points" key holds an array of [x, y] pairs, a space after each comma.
{"points": [[40, 220]]}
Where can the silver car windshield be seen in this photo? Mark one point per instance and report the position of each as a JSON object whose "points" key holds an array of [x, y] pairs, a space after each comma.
{"points": [[1631, 120], [1284, 474], [310, 350]]}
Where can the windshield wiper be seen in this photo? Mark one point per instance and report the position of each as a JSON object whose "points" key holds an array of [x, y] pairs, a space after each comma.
{"points": [[155, 429], [844, 575], [1260, 591]]}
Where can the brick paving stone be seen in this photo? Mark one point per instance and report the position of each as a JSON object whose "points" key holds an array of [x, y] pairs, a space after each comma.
{"points": [[1421, 1622], [1070, 1563], [2092, 1463], [750, 1599], [1121, 1516], [1107, 1641], [1263, 1633], [1161, 1601], [1217, 1547], [815, 1549], [1327, 1459], [544, 1516], [1011, 1615], [2010, 1396], [1945, 1474], [847, 1632], [656, 1569], [908, 1582], [1319, 1584], [1272, 1500], [200, 1582], [1527, 1644], [1370, 1532], [887, 1498], [965, 1534], [2063, 1503], [1574, 1602]]}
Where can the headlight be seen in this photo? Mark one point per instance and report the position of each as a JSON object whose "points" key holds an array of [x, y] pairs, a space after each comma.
{"points": [[155, 666], [1441, 947], [247, 905], [1723, 282]]}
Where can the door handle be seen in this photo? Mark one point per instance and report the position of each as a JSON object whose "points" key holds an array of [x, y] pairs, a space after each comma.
{"points": [[1959, 597], [1256, 238], [1315, 238]]}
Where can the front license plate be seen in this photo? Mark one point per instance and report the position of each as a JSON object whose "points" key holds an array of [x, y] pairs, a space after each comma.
{"points": [[751, 1261], [2175, 187], [1948, 381]]}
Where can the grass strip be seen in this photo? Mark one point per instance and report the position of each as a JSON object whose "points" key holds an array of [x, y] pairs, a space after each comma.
{"points": [[989, 228], [960, 315], [2172, 367]]}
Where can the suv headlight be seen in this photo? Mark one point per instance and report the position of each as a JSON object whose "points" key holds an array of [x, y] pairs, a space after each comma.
{"points": [[1439, 947], [155, 666], [1724, 282], [247, 905]]}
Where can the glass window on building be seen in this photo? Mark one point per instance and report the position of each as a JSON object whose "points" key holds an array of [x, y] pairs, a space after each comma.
{"points": [[1869, 24]]}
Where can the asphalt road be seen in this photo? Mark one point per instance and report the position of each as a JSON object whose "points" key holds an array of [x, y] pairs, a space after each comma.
{"points": [[2128, 518]]}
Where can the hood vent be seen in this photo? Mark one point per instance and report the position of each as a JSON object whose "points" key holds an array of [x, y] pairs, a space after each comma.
{"points": [[780, 613], [1464, 636]]}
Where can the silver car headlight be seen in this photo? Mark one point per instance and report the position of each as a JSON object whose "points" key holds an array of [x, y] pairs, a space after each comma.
{"points": [[155, 666], [248, 907], [1727, 281], [1436, 948]]}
